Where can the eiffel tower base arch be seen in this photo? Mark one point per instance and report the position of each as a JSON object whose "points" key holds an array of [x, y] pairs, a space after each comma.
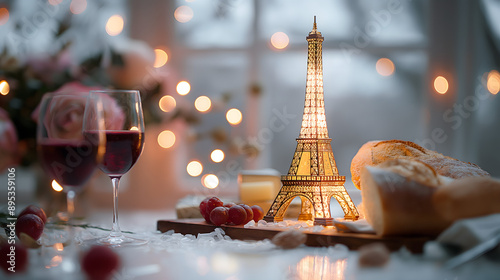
{"points": [[315, 193]]}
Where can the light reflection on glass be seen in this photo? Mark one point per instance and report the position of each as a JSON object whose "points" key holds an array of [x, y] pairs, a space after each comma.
{"points": [[55, 261]]}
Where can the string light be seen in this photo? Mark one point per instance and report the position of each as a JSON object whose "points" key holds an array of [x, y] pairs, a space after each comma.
{"points": [[217, 155], [167, 103], [56, 186], [279, 40], [183, 88], [203, 104], [166, 139], [4, 87], [385, 67], [210, 181], [234, 116], [4, 16], [441, 85], [194, 168], [161, 58], [78, 6], [183, 14], [493, 82], [114, 26]]}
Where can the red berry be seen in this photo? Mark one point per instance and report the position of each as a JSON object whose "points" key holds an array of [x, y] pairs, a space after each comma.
{"points": [[100, 262], [32, 209], [229, 204], [16, 260], [31, 225], [249, 213], [203, 209], [237, 215], [219, 215], [258, 213], [211, 204]]}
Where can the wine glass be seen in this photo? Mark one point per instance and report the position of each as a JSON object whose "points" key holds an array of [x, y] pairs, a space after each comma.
{"points": [[124, 130], [69, 141]]}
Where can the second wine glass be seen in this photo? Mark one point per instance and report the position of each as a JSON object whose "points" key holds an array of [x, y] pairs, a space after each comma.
{"points": [[124, 129]]}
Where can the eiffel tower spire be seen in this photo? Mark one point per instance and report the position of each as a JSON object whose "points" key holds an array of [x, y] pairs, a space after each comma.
{"points": [[313, 173], [314, 120]]}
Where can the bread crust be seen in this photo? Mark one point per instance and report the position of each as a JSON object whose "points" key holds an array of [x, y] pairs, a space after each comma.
{"points": [[376, 152]]}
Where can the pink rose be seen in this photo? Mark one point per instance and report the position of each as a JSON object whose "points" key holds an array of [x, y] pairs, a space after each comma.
{"points": [[66, 114], [8, 141]]}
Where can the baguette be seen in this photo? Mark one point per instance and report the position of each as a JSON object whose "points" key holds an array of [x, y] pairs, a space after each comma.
{"points": [[397, 198], [468, 198], [376, 152]]}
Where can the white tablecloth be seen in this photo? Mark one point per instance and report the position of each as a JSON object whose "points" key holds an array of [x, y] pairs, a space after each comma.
{"points": [[173, 256]]}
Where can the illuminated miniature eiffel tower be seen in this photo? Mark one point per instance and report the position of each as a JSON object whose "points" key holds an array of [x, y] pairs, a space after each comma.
{"points": [[313, 174]]}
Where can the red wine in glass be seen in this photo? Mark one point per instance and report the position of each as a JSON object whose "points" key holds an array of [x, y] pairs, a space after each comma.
{"points": [[123, 148], [70, 163], [124, 130]]}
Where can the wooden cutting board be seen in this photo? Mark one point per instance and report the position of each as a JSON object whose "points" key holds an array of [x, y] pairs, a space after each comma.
{"points": [[327, 237]]}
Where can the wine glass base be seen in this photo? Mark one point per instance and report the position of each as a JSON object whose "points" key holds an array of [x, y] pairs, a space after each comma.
{"points": [[120, 241]]}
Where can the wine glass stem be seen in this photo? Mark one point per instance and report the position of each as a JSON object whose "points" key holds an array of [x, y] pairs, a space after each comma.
{"points": [[115, 230], [70, 204], [70, 201]]}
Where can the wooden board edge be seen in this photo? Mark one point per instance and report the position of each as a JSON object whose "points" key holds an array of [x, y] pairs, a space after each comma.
{"points": [[352, 240]]}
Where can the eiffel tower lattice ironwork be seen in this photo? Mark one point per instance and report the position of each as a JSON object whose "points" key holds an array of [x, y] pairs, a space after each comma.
{"points": [[313, 174]]}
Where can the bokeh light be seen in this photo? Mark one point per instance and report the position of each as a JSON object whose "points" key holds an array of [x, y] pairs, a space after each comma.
{"points": [[385, 67], [114, 26], [166, 139], [441, 85], [183, 88], [161, 58], [234, 116], [217, 155], [134, 128], [194, 168], [279, 40], [210, 181], [203, 103], [167, 103], [56, 186], [183, 14], [493, 82], [78, 6], [4, 16], [4, 87]]}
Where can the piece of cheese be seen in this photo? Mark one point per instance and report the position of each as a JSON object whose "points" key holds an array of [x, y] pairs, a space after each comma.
{"points": [[272, 175], [257, 191]]}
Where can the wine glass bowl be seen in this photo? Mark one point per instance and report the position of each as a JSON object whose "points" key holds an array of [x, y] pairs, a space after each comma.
{"points": [[124, 130], [66, 152]]}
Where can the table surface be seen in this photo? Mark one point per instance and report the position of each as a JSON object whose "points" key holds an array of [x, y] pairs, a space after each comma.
{"points": [[214, 256]]}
